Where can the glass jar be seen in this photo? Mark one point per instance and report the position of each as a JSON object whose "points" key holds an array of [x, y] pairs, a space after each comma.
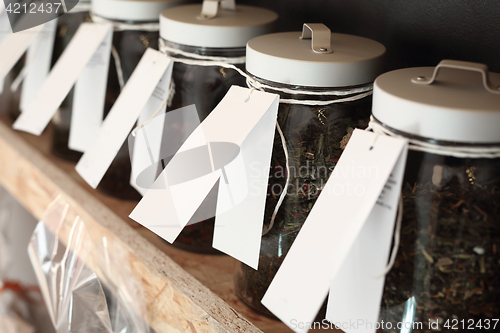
{"points": [[223, 35], [314, 135], [446, 274], [67, 25], [130, 44]]}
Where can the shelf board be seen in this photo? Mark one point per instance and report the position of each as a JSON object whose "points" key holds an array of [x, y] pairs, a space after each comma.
{"points": [[184, 292]]}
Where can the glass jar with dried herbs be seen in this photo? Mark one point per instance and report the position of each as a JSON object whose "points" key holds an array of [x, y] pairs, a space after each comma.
{"points": [[135, 29], [446, 274], [201, 40], [324, 96]]}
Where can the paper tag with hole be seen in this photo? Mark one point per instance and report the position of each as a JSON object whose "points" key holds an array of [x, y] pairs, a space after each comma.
{"points": [[145, 146], [115, 129], [89, 98], [62, 77], [356, 291], [38, 60], [234, 140], [360, 197]]}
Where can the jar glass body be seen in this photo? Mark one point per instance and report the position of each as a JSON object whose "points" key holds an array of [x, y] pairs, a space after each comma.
{"points": [[315, 137], [446, 273], [130, 46], [67, 25], [205, 87], [10, 100]]}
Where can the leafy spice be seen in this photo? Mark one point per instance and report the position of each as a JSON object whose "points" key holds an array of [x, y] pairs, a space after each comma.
{"points": [[315, 140], [448, 262]]}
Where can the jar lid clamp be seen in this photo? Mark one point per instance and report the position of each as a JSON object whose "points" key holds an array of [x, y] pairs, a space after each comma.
{"points": [[209, 8], [463, 65], [320, 35]]}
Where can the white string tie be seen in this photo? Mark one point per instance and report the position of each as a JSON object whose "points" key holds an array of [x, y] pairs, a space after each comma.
{"points": [[118, 65], [439, 149], [193, 57], [397, 238]]}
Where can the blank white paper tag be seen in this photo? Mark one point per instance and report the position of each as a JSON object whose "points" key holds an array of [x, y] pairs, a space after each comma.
{"points": [[333, 227], [356, 291], [89, 98], [38, 60], [122, 116], [147, 154], [5, 30], [14, 46], [216, 150], [63, 76], [238, 227]]}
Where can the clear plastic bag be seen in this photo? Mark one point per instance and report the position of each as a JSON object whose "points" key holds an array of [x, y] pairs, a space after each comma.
{"points": [[85, 281]]}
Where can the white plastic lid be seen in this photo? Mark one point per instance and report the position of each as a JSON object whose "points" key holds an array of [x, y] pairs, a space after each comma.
{"points": [[132, 10], [459, 102], [287, 58], [228, 29]]}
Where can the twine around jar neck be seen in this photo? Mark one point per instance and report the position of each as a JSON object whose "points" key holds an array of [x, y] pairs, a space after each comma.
{"points": [[123, 26], [472, 151], [196, 59]]}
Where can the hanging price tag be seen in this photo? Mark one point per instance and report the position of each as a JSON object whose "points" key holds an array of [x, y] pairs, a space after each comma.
{"points": [[153, 67], [349, 207], [14, 46], [38, 61], [148, 152], [89, 98], [63, 76], [236, 137], [154, 144]]}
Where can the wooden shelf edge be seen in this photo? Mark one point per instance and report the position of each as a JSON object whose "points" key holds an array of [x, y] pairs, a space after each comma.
{"points": [[175, 301]]}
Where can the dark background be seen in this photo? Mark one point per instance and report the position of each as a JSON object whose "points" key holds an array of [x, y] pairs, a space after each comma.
{"points": [[415, 32]]}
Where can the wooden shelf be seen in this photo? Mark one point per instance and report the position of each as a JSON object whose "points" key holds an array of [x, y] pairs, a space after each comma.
{"points": [[184, 292]]}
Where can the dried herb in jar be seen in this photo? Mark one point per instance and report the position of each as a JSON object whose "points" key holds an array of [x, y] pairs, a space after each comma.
{"points": [[448, 263]]}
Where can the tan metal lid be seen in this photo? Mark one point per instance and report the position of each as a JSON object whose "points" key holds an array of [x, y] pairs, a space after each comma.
{"points": [[132, 10], [296, 58], [455, 101], [226, 28]]}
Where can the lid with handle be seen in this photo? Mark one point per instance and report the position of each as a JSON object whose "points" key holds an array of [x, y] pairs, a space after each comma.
{"points": [[132, 10], [315, 57], [211, 25], [456, 101]]}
